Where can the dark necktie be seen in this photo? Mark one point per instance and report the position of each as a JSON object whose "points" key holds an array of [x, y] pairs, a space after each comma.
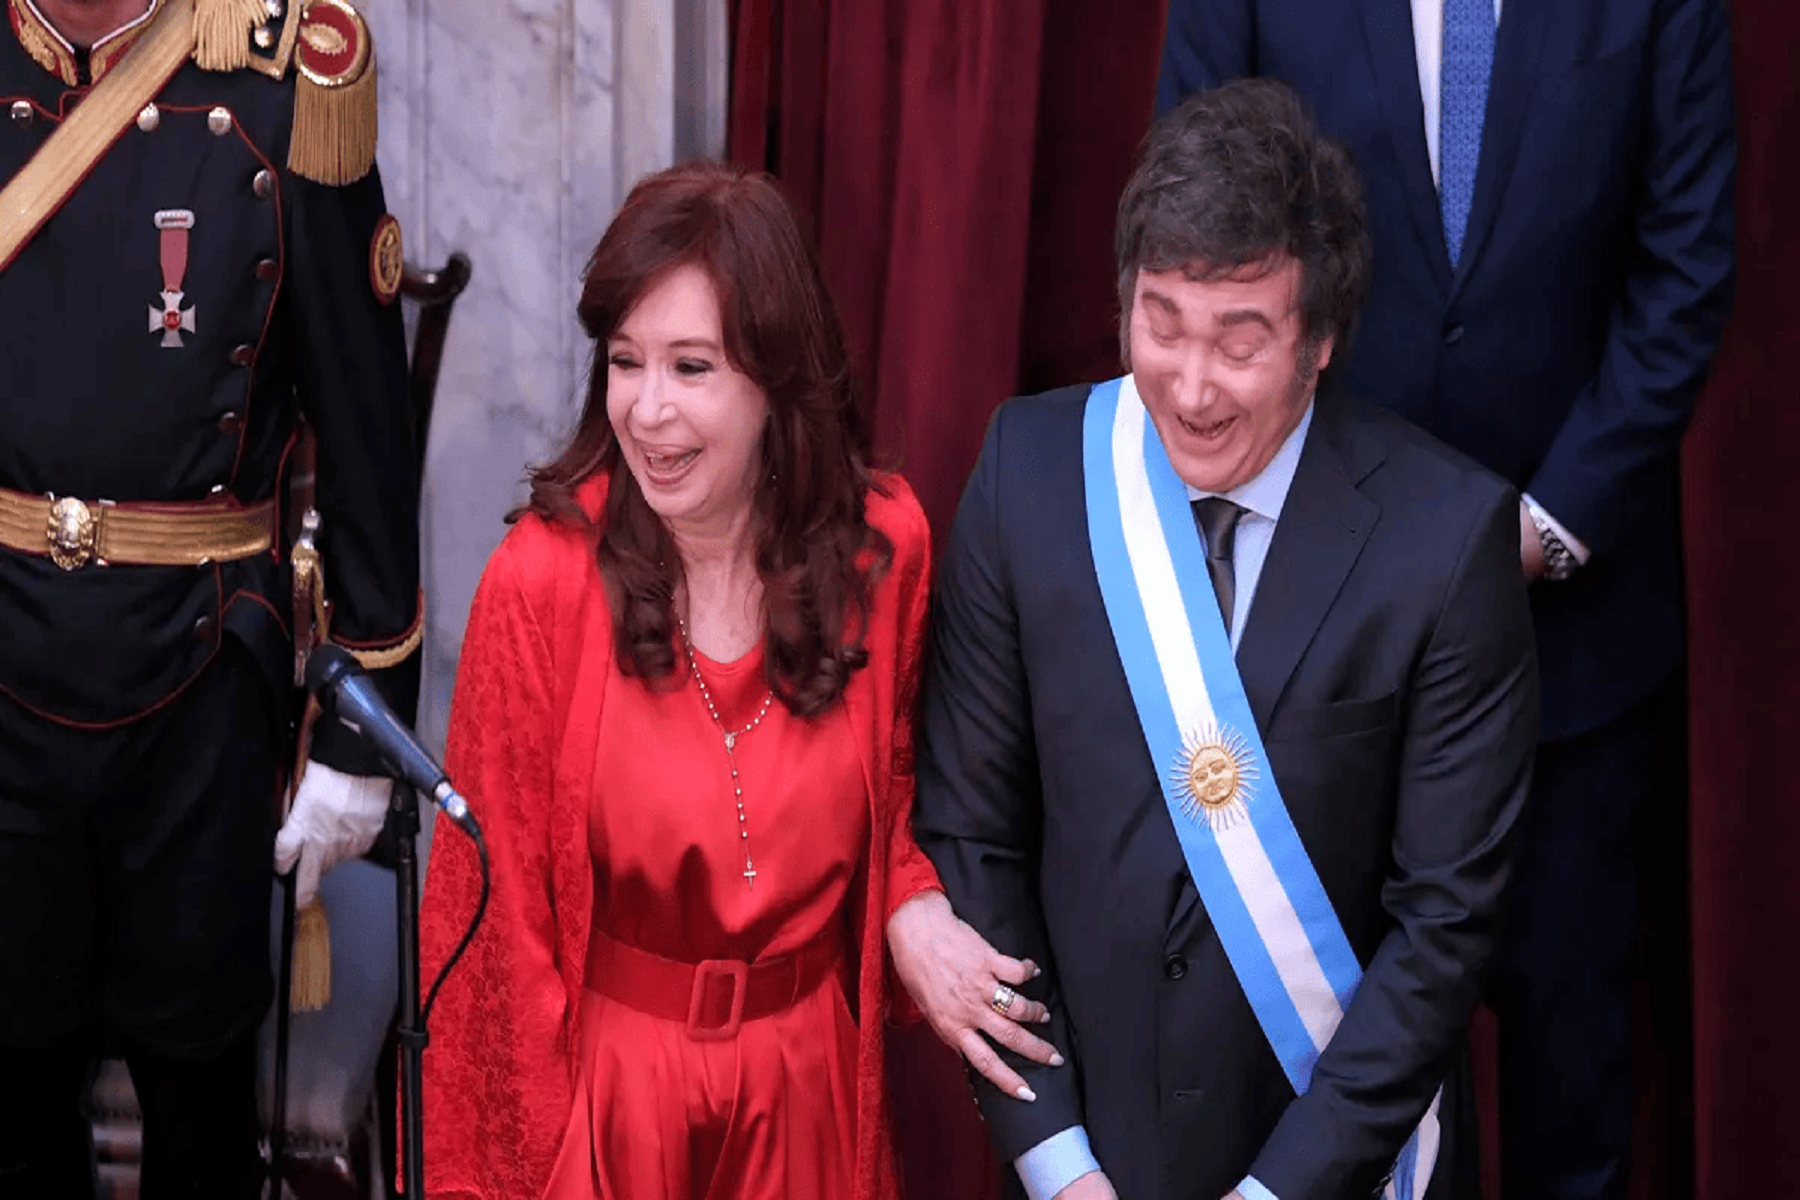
{"points": [[1217, 518]]}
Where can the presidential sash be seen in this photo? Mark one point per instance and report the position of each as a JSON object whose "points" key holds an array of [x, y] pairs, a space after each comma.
{"points": [[1274, 920]]}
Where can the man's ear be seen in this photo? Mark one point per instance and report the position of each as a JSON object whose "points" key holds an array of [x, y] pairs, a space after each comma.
{"points": [[1127, 294]]}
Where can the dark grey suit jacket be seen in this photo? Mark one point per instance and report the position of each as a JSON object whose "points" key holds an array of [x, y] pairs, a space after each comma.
{"points": [[1389, 662]]}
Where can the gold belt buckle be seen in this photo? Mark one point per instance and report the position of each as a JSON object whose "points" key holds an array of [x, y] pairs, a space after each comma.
{"points": [[73, 533]]}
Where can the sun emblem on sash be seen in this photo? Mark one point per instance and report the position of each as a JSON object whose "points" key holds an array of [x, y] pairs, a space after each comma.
{"points": [[1214, 775]]}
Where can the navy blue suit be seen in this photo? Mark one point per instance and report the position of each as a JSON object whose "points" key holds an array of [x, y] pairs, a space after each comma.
{"points": [[1565, 352]]}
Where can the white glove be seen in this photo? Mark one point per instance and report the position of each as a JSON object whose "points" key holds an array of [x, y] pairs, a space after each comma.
{"points": [[334, 817]]}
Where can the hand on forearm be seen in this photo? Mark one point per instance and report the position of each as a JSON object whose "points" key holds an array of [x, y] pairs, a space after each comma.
{"points": [[953, 975]]}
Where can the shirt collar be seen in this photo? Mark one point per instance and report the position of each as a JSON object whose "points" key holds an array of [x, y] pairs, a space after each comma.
{"points": [[1265, 494]]}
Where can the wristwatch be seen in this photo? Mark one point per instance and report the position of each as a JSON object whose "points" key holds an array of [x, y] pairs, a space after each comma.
{"points": [[1559, 560]]}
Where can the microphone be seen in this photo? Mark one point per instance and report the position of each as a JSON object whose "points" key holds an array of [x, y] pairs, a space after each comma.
{"points": [[345, 690]]}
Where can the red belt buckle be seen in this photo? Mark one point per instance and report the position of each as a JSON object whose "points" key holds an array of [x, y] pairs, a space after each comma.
{"points": [[739, 974]]}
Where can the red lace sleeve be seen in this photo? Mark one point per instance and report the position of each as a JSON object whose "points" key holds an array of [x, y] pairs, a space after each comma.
{"points": [[497, 1073], [909, 872]]}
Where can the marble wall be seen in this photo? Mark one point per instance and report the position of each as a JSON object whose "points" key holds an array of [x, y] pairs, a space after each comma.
{"points": [[511, 130]]}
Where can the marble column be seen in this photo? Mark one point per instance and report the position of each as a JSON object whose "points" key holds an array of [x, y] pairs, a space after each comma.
{"points": [[511, 130]]}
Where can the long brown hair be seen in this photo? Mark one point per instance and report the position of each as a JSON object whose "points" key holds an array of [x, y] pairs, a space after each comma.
{"points": [[816, 553]]}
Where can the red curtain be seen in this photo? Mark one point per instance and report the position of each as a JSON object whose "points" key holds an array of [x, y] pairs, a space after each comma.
{"points": [[960, 161], [1744, 650]]}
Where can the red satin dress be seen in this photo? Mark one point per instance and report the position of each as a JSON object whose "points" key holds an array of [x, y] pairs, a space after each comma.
{"points": [[769, 1114]]}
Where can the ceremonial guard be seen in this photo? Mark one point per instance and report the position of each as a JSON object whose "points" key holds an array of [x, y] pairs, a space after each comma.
{"points": [[197, 282]]}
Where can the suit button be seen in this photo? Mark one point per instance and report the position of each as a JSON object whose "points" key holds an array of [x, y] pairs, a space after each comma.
{"points": [[267, 270], [203, 628], [230, 423], [243, 355], [21, 113], [1174, 967], [1453, 335], [263, 184]]}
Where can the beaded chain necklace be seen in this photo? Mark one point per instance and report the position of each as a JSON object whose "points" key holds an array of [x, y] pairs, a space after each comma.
{"points": [[731, 737]]}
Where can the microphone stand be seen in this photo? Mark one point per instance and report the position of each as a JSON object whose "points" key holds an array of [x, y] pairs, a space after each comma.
{"points": [[403, 813]]}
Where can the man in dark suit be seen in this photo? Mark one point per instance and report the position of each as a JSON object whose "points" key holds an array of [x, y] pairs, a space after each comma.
{"points": [[1262, 910], [1550, 194]]}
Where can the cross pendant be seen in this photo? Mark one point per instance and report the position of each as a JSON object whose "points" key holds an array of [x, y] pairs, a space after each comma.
{"points": [[749, 875], [730, 742]]}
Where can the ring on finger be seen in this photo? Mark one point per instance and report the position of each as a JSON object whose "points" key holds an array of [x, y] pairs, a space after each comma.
{"points": [[1003, 998]]}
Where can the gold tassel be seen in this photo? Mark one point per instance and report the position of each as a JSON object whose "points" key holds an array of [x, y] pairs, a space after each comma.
{"points": [[312, 960], [222, 30], [334, 130]]}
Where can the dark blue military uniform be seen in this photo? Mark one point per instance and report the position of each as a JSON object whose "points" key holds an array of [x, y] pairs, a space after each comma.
{"points": [[146, 711]]}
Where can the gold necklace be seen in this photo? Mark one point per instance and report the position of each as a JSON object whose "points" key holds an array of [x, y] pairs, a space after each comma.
{"points": [[731, 737]]}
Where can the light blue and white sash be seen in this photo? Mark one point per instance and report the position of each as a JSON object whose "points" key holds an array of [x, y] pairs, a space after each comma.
{"points": [[1273, 917]]}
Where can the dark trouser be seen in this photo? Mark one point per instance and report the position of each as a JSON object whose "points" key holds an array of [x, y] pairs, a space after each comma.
{"points": [[134, 921], [1563, 985]]}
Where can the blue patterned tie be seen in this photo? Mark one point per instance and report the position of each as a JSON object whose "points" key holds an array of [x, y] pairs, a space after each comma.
{"points": [[1463, 89]]}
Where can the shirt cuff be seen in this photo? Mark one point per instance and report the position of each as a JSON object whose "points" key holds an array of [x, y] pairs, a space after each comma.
{"points": [[1056, 1162], [1250, 1189], [1576, 546]]}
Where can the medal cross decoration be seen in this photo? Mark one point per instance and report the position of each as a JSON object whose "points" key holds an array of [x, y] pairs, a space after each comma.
{"points": [[172, 318]]}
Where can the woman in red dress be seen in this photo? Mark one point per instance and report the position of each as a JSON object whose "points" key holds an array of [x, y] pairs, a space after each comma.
{"points": [[683, 712]]}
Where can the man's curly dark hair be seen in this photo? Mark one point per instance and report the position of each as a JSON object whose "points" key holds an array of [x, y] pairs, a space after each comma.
{"points": [[1234, 177]]}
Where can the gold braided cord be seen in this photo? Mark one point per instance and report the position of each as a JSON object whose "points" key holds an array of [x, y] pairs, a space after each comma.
{"points": [[377, 657], [375, 660]]}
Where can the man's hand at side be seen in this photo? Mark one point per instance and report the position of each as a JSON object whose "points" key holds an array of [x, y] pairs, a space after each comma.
{"points": [[1531, 546], [1092, 1186]]}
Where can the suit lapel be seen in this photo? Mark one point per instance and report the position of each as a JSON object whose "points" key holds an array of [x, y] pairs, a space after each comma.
{"points": [[1387, 25], [1324, 524], [1517, 53]]}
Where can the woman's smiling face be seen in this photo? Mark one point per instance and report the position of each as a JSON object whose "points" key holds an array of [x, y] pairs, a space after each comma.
{"points": [[689, 422]]}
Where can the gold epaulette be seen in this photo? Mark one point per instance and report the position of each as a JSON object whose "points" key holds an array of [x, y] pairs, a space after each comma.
{"points": [[327, 43], [334, 98], [224, 31]]}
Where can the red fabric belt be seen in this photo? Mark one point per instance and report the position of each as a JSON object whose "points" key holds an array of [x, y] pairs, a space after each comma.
{"points": [[713, 997]]}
